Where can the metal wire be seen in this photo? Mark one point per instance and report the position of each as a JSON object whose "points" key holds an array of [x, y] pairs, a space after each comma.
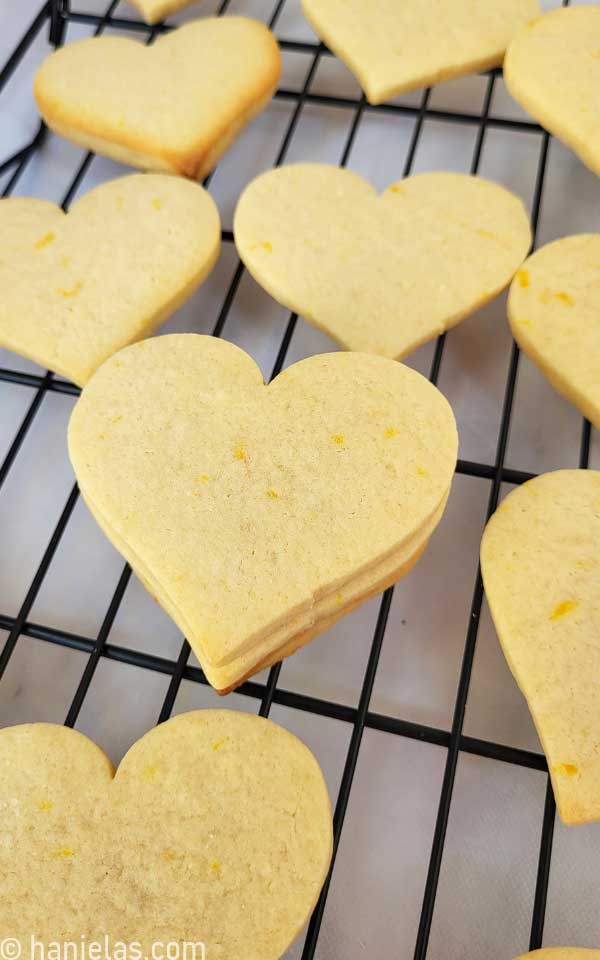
{"points": [[54, 16]]}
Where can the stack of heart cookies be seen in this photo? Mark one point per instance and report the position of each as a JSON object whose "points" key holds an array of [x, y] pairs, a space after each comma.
{"points": [[257, 516]]}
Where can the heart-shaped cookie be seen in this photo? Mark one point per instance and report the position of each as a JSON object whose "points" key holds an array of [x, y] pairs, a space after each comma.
{"points": [[174, 106], [552, 68], [382, 274], [392, 47], [78, 287], [216, 829], [554, 312], [541, 570], [249, 505], [324, 613], [153, 11], [561, 953]]}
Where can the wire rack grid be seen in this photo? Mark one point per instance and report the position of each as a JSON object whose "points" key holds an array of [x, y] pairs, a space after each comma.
{"points": [[54, 20]]}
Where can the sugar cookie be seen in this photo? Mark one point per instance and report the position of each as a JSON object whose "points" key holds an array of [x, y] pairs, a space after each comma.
{"points": [[395, 46], [174, 106], [552, 69], [78, 287], [153, 11], [381, 274], [561, 953], [244, 507], [554, 312], [215, 829], [541, 570]]}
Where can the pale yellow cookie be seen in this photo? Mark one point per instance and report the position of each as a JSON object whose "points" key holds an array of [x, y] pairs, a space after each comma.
{"points": [[300, 630], [153, 11], [561, 953], [249, 504], [216, 829], [397, 45], [174, 106], [554, 312], [541, 569], [380, 274], [552, 68], [77, 287]]}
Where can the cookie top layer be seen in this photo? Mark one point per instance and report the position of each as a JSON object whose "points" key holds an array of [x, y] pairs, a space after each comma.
{"points": [[552, 68], [541, 570], [247, 502], [396, 46], [381, 274], [216, 828], [554, 312], [174, 100], [78, 287]]}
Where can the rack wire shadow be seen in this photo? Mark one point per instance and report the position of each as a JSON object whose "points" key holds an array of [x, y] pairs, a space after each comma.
{"points": [[54, 16]]}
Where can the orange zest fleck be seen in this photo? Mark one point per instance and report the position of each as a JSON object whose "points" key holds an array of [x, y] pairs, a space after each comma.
{"points": [[562, 609], [523, 278], [72, 292], [565, 298], [151, 771], [391, 432], [239, 452], [45, 240], [570, 769], [272, 494], [219, 743], [338, 439]]}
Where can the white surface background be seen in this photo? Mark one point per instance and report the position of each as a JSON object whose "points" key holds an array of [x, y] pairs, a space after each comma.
{"points": [[487, 881]]}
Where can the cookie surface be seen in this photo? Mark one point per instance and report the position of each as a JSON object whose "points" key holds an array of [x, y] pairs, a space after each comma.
{"points": [[392, 47], [216, 828], [290, 636], [552, 69], [174, 106], [153, 11], [554, 312], [79, 286], [561, 953], [308, 482], [541, 570], [380, 273]]}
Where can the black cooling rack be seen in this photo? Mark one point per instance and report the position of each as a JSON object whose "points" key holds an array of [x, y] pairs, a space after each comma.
{"points": [[54, 17]]}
